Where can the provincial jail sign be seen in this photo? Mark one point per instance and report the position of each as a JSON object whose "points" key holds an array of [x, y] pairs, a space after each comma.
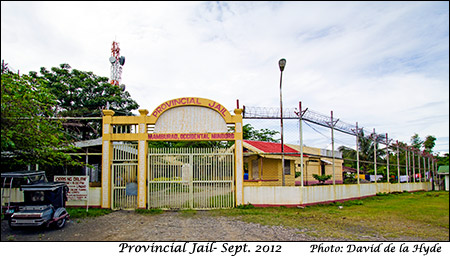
{"points": [[195, 101], [190, 119]]}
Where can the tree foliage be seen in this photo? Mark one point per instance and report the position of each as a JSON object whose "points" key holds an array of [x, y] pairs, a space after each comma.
{"points": [[416, 142], [84, 94], [429, 144], [28, 136], [396, 155], [366, 148], [322, 178], [250, 133], [426, 145]]}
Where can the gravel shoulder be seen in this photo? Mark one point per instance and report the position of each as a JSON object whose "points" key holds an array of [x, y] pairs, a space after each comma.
{"points": [[168, 226]]}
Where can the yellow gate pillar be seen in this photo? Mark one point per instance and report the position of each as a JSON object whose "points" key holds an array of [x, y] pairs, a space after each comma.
{"points": [[239, 158], [142, 160], [106, 158]]}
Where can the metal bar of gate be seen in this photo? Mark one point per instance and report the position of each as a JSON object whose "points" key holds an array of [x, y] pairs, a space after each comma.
{"points": [[190, 178], [124, 176]]}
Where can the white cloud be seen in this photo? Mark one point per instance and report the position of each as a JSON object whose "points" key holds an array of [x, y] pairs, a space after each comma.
{"points": [[383, 64]]}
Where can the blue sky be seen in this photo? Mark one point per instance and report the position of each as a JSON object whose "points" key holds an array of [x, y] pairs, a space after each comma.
{"points": [[384, 65]]}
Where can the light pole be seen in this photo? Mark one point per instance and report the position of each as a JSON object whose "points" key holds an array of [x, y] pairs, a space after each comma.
{"points": [[282, 64]]}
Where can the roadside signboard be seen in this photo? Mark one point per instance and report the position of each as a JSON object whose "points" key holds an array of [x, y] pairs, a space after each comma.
{"points": [[78, 187]]}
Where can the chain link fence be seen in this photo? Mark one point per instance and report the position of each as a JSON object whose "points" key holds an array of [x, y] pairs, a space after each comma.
{"points": [[325, 133]]}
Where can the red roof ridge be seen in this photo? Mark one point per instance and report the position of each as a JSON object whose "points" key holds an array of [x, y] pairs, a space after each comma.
{"points": [[270, 147]]}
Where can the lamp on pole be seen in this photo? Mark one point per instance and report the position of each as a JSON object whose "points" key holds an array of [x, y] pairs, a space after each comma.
{"points": [[282, 64]]}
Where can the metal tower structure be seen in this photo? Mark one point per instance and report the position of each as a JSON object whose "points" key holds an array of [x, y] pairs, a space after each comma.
{"points": [[117, 62]]}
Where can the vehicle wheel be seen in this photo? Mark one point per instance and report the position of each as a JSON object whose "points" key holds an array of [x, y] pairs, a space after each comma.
{"points": [[60, 223]]}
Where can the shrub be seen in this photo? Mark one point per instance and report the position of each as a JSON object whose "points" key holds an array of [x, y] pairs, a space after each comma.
{"points": [[321, 178], [82, 213], [245, 206]]}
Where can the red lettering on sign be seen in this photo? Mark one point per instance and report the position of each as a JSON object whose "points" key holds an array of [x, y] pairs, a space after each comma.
{"points": [[78, 186], [217, 107], [157, 136], [222, 135], [186, 101]]}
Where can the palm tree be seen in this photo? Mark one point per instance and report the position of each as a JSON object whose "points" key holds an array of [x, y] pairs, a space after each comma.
{"points": [[366, 152]]}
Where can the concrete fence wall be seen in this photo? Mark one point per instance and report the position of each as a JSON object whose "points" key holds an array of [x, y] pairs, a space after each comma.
{"points": [[279, 195], [308, 195], [94, 197]]}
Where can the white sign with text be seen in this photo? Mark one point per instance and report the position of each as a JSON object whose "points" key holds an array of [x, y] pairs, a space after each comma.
{"points": [[78, 187]]}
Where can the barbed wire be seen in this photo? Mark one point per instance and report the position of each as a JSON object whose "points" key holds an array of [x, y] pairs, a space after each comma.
{"points": [[293, 113], [308, 115]]}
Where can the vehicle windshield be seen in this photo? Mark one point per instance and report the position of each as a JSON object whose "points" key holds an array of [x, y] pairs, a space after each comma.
{"points": [[22, 178], [55, 198]]}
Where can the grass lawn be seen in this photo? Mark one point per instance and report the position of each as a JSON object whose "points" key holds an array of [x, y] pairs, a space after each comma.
{"points": [[395, 217], [79, 213]]}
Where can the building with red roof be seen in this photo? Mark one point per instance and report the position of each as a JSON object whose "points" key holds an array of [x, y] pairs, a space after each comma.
{"points": [[262, 164]]}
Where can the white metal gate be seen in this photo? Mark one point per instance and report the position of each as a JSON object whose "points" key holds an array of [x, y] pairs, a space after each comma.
{"points": [[190, 178], [124, 176]]}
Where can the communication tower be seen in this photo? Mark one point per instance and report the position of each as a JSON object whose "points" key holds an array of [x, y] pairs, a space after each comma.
{"points": [[117, 62]]}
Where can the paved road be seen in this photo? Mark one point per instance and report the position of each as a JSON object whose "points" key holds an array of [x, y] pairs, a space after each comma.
{"points": [[168, 226]]}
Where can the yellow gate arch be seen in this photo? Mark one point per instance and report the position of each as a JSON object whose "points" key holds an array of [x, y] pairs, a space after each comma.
{"points": [[180, 119]]}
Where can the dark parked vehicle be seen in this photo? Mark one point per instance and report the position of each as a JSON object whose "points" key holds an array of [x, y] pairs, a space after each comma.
{"points": [[12, 180], [44, 205]]}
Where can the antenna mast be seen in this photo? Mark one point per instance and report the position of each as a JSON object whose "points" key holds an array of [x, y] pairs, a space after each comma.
{"points": [[117, 62]]}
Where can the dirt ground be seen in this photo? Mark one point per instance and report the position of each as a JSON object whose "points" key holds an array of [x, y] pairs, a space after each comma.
{"points": [[168, 226]]}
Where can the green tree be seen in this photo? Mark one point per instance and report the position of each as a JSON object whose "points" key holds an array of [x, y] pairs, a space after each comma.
{"points": [[416, 142], [84, 94], [366, 153], [27, 134], [250, 133], [429, 143], [426, 145]]}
